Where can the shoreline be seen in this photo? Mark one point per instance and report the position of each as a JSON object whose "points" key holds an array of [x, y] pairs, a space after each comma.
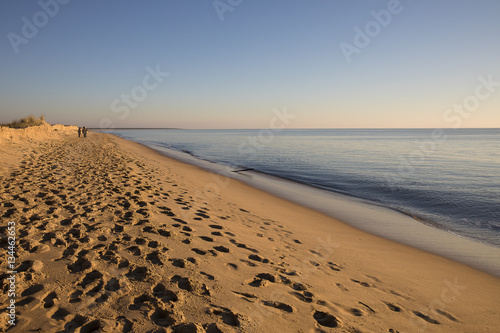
{"points": [[432, 205], [114, 235], [375, 219], [456, 205]]}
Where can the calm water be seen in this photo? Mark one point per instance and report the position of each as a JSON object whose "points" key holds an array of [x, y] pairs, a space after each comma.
{"points": [[449, 179]]}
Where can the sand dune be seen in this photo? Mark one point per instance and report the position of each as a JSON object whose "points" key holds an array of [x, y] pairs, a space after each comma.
{"points": [[17, 143], [113, 237], [35, 133]]}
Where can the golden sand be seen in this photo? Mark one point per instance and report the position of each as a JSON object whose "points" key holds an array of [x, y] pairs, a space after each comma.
{"points": [[112, 236]]}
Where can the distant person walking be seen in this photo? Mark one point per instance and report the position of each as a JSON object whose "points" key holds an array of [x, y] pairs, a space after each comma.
{"points": [[79, 131], [84, 131]]}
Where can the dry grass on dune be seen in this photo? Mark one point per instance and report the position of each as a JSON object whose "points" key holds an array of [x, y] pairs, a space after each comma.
{"points": [[29, 121]]}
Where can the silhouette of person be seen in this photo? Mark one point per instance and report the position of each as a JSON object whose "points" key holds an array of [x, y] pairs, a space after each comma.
{"points": [[84, 130], [79, 131]]}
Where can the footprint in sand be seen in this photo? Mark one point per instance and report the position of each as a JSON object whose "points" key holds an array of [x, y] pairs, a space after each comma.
{"points": [[392, 307], [153, 244], [138, 273], [334, 267], [181, 263], [92, 283], [261, 280], [142, 302], [198, 251], [76, 322], [202, 214], [167, 211], [226, 315], [106, 325], [149, 229], [135, 250], [208, 276], [75, 297], [165, 317], [447, 315], [366, 308], [216, 226], [27, 304], [182, 283], [222, 249], [60, 314], [246, 296], [48, 301], [258, 258], [325, 319], [190, 285], [179, 220], [426, 318], [244, 246], [248, 262], [32, 290], [278, 305], [341, 287], [30, 266], [140, 241], [109, 255], [113, 284], [118, 228], [314, 263], [80, 265], [232, 266], [154, 258], [304, 296], [164, 294], [361, 283], [165, 233]]}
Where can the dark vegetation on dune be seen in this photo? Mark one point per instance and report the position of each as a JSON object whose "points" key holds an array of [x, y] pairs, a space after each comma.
{"points": [[26, 122]]}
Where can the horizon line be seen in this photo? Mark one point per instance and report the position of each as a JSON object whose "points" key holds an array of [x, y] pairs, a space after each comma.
{"points": [[295, 128]]}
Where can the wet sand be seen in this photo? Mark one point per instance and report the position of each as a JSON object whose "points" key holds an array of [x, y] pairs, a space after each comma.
{"points": [[115, 237], [376, 220]]}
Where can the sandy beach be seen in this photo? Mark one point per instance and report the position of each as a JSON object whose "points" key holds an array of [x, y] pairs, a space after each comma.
{"points": [[112, 236]]}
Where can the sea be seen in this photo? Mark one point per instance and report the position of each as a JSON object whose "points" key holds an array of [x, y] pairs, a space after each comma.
{"points": [[447, 179]]}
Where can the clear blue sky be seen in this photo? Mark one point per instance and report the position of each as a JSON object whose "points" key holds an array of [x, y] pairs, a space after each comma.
{"points": [[87, 56]]}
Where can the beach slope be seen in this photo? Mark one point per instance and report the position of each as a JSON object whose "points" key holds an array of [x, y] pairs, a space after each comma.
{"points": [[112, 236]]}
